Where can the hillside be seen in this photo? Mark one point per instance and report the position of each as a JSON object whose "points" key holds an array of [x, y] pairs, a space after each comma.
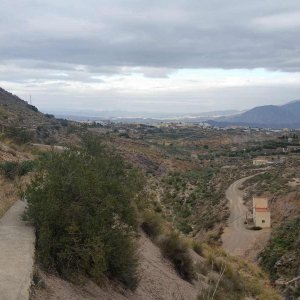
{"points": [[14, 110], [159, 280], [293, 107], [282, 185], [272, 116], [183, 195], [172, 265], [24, 123]]}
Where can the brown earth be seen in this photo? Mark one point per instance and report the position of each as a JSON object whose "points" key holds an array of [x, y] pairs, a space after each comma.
{"points": [[158, 281]]}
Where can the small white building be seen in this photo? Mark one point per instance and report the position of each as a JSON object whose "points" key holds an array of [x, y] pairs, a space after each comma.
{"points": [[260, 161], [261, 212]]}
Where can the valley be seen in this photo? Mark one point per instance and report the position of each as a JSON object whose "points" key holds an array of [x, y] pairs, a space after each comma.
{"points": [[149, 150], [195, 177], [189, 189]]}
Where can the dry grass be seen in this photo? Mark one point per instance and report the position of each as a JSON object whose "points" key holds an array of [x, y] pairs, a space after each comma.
{"points": [[8, 195], [10, 192], [240, 279]]}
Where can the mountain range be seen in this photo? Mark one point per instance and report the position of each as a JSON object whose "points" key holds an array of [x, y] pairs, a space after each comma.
{"points": [[267, 116], [14, 111], [128, 116]]}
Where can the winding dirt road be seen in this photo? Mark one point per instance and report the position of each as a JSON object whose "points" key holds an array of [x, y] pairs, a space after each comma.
{"points": [[237, 240]]}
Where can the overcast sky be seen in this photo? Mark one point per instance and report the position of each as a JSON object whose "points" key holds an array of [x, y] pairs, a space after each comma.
{"points": [[175, 56]]}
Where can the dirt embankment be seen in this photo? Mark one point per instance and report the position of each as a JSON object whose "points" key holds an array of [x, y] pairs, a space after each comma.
{"points": [[158, 281]]}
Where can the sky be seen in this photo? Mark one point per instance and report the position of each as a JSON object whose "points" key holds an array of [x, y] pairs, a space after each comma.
{"points": [[166, 56]]}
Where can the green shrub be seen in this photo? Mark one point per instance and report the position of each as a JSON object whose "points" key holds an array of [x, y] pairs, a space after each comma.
{"points": [[151, 224], [63, 122], [285, 242], [12, 169], [9, 169], [231, 280], [176, 250], [184, 227], [26, 166], [19, 135], [50, 116], [32, 107], [197, 247], [81, 204]]}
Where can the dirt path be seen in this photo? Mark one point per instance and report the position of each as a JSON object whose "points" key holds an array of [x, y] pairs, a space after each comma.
{"points": [[16, 254], [237, 240]]}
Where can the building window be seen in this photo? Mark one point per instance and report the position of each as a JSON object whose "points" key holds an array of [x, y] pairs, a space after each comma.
{"points": [[263, 221]]}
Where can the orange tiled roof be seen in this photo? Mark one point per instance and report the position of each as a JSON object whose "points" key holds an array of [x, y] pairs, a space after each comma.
{"points": [[262, 209]]}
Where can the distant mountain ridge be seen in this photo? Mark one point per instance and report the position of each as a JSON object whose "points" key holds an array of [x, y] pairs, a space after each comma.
{"points": [[81, 115], [267, 116], [17, 112]]}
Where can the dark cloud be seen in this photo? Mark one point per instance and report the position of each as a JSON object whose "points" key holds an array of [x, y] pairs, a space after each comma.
{"points": [[62, 50], [172, 34]]}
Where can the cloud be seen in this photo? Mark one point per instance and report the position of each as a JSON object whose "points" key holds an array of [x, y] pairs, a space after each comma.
{"points": [[168, 34], [130, 47], [279, 22]]}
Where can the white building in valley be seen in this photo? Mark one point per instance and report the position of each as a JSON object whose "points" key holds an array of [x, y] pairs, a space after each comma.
{"points": [[261, 212]]}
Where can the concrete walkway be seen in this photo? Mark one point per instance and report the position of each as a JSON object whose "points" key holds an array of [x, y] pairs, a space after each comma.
{"points": [[17, 241]]}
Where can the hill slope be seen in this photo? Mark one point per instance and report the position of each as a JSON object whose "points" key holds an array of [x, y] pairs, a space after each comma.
{"points": [[15, 111], [293, 107], [273, 116], [23, 123]]}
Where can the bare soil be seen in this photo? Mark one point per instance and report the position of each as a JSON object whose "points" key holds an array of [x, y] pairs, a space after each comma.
{"points": [[158, 281]]}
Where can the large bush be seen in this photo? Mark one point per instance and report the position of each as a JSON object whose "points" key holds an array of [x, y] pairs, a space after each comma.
{"points": [[81, 203]]}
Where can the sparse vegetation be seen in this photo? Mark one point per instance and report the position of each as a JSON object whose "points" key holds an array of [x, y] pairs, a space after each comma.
{"points": [[50, 116], [197, 247], [231, 278], [11, 169], [172, 246], [176, 250], [281, 256], [32, 107], [189, 195], [86, 203], [152, 224], [18, 134], [271, 181]]}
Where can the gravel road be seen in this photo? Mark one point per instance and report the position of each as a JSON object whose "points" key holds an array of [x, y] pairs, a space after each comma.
{"points": [[237, 240]]}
